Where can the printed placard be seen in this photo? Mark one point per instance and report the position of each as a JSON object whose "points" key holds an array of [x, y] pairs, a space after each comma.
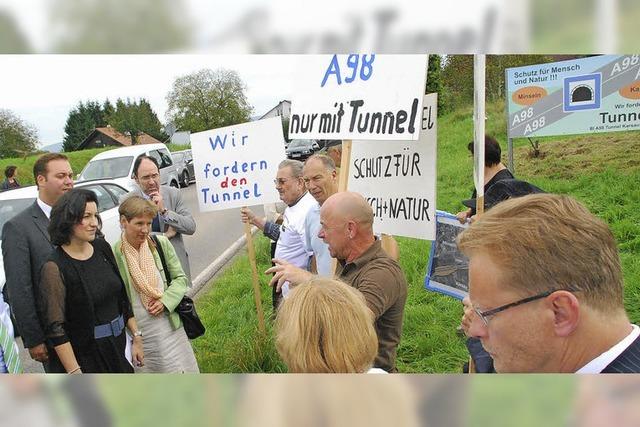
{"points": [[588, 95], [374, 97], [398, 179], [448, 269], [235, 166]]}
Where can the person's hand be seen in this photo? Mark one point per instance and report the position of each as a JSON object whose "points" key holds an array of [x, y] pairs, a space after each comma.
{"points": [[39, 353], [247, 215], [155, 307], [170, 232], [286, 272], [467, 317], [137, 351], [156, 198], [463, 216]]}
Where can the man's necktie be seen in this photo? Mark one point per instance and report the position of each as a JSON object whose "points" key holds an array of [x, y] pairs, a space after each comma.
{"points": [[155, 225]]}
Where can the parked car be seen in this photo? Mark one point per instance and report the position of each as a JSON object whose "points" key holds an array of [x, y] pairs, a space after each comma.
{"points": [[300, 149], [118, 165], [108, 193], [184, 166]]}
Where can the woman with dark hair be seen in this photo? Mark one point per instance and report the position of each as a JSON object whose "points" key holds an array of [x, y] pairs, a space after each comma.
{"points": [[494, 171], [10, 178], [83, 299]]}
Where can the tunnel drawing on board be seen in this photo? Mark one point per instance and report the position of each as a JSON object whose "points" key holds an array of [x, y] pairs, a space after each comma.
{"points": [[582, 92]]}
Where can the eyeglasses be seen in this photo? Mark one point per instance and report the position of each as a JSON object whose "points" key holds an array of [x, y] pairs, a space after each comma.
{"points": [[150, 177], [485, 315], [281, 181]]}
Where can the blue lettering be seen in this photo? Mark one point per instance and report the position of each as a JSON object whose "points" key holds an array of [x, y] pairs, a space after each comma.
{"points": [[204, 194], [256, 193], [244, 137], [352, 62], [217, 142], [334, 68]]}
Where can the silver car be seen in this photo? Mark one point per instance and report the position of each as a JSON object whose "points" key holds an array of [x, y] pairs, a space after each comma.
{"points": [[184, 166]]}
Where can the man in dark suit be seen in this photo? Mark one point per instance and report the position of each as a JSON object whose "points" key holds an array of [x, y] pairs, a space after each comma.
{"points": [[26, 246], [546, 290], [174, 218]]}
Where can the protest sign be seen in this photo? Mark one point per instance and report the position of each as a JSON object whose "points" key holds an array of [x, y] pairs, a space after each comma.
{"points": [[588, 95], [358, 97], [398, 178], [448, 269], [235, 166]]}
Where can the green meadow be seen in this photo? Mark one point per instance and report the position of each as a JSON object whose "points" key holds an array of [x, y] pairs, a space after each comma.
{"points": [[601, 170]]}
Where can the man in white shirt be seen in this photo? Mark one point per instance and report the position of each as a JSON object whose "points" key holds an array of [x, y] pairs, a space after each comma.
{"points": [[290, 235], [546, 289], [321, 180]]}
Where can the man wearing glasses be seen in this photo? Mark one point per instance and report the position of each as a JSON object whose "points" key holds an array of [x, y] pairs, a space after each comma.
{"points": [[174, 218], [546, 290], [290, 236]]}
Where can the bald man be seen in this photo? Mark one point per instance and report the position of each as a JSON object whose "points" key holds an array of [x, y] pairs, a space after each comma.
{"points": [[346, 221]]}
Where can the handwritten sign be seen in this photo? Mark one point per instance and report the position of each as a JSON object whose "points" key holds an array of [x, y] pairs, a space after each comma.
{"points": [[358, 97], [235, 166], [398, 179]]}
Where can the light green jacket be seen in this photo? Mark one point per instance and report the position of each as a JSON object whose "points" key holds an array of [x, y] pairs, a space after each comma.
{"points": [[174, 293]]}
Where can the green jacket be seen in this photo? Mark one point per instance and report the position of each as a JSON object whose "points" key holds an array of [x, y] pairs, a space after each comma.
{"points": [[173, 295]]}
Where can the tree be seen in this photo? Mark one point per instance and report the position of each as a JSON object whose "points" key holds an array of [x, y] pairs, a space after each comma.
{"points": [[434, 80], [17, 138], [457, 76], [84, 118], [207, 100], [132, 118]]}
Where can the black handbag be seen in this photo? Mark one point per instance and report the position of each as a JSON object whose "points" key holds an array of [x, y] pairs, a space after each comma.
{"points": [[186, 309]]}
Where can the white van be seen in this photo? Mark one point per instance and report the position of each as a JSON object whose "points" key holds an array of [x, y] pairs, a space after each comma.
{"points": [[118, 165]]}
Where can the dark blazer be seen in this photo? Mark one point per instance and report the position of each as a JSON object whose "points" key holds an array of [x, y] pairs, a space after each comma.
{"points": [[25, 248], [628, 362]]}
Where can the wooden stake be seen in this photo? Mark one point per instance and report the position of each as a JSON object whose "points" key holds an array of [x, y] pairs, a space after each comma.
{"points": [[343, 179], [344, 165], [256, 283]]}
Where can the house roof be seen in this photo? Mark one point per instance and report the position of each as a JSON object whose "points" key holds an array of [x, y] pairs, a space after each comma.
{"points": [[123, 139], [277, 105]]}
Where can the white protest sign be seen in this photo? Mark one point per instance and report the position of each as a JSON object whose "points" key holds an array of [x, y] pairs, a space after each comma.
{"points": [[235, 166], [398, 179], [358, 97]]}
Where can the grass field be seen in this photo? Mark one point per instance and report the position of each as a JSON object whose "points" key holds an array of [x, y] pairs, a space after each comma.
{"points": [[603, 171]]}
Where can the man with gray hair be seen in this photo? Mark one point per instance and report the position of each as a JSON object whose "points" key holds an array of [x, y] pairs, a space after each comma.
{"points": [[321, 180], [290, 235]]}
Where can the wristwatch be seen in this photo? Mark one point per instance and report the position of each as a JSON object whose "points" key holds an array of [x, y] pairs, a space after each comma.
{"points": [[137, 333]]}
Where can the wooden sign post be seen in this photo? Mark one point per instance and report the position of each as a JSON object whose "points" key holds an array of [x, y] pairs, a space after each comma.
{"points": [[254, 276]]}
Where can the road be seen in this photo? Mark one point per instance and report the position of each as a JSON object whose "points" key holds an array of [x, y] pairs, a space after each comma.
{"points": [[215, 232]]}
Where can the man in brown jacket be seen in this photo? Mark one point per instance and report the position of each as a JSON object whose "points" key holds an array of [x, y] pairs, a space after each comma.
{"points": [[347, 227]]}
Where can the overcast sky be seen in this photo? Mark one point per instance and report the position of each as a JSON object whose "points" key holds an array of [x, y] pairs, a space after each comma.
{"points": [[42, 89]]}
